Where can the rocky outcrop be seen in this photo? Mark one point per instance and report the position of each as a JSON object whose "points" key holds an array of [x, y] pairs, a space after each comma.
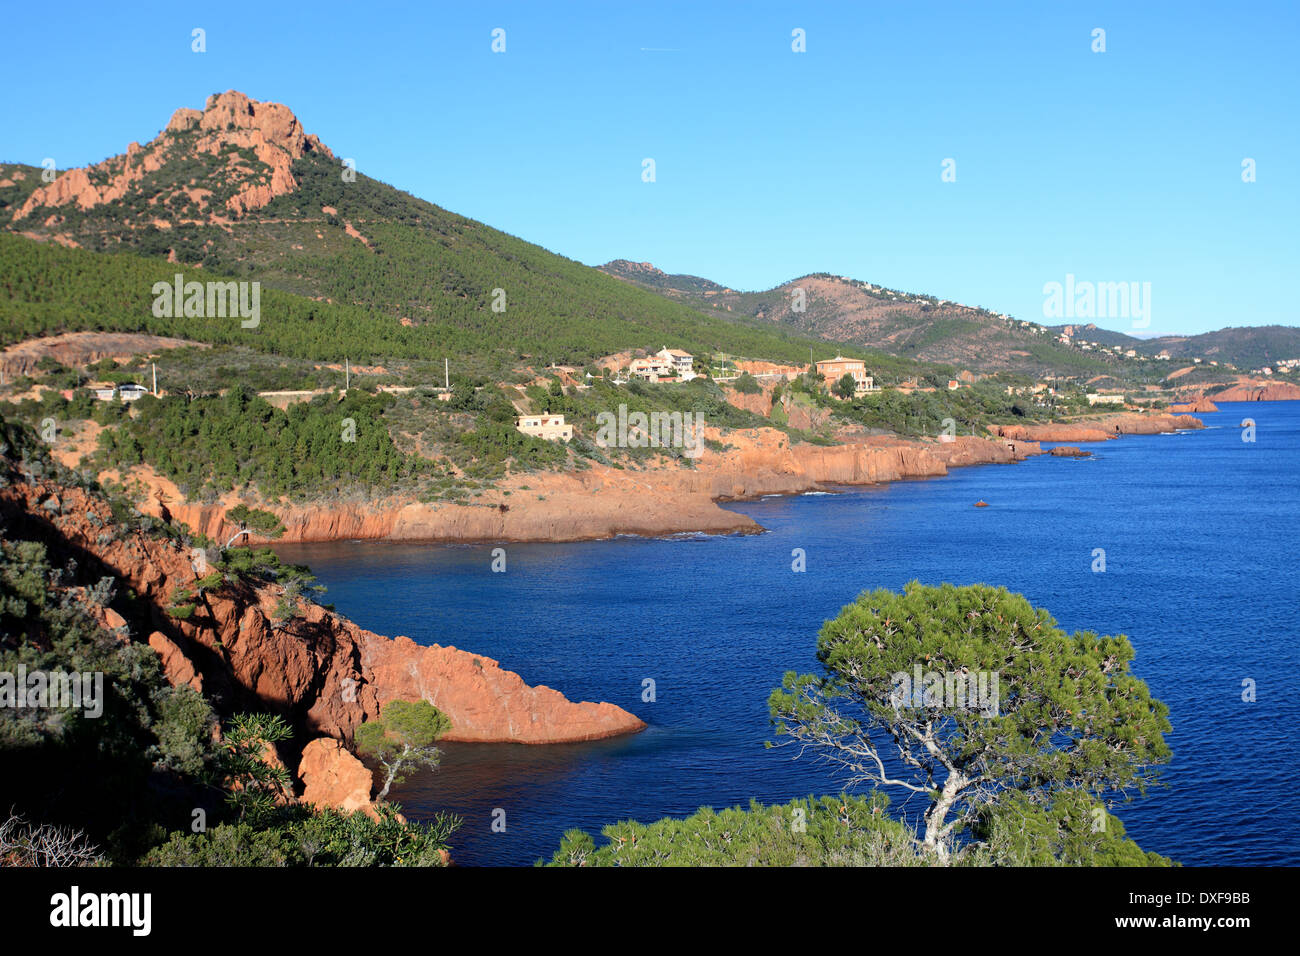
{"points": [[759, 403], [270, 131], [1261, 392], [1153, 424], [85, 348], [176, 666], [333, 777], [1069, 451], [602, 501], [1198, 404], [251, 648], [1100, 430], [482, 695]]}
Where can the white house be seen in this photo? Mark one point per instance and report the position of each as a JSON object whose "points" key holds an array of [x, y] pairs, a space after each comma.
{"points": [[130, 392]]}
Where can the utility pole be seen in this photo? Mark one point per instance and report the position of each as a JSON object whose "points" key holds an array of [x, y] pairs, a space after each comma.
{"points": [[155, 379], [446, 374], [347, 374]]}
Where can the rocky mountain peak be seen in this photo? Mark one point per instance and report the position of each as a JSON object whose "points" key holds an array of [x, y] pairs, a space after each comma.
{"points": [[247, 148]]}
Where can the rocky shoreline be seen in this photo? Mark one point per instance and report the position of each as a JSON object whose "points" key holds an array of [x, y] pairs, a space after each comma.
{"points": [[663, 499], [235, 643]]}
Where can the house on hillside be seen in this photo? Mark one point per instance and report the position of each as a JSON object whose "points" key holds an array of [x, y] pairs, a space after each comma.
{"points": [[104, 392], [651, 369], [130, 393], [835, 369], [549, 427], [1097, 399], [681, 362]]}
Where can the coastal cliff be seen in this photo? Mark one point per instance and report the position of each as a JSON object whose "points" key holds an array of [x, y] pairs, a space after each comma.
{"points": [[603, 501], [1102, 430], [236, 642], [1260, 392]]}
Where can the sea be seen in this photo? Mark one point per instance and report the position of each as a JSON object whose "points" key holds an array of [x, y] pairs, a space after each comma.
{"points": [[1200, 535]]}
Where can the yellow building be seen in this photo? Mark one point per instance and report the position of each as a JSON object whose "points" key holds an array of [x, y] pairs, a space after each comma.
{"points": [[549, 427], [835, 369]]}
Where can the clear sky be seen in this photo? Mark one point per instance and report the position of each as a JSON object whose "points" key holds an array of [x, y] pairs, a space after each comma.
{"points": [[1122, 166]]}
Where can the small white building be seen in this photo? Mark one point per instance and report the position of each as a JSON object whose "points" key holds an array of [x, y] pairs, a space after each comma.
{"points": [[130, 392], [1096, 399], [549, 427]]}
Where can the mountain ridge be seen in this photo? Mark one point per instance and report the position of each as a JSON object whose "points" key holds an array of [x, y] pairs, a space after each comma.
{"points": [[868, 315]]}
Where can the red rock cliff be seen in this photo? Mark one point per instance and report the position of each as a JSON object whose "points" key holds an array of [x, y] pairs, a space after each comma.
{"points": [[602, 502], [320, 669], [1261, 392]]}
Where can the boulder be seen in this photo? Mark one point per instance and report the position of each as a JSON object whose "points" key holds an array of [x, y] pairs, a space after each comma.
{"points": [[333, 777]]}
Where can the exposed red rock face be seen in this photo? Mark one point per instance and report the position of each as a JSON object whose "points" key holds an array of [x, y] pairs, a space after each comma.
{"points": [[481, 694], [760, 403], [602, 502], [1198, 404], [1102, 430], [326, 674], [1270, 392], [231, 119], [333, 777], [1054, 432], [1069, 451], [176, 666]]}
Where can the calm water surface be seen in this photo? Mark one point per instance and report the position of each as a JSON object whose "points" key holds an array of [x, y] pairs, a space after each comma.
{"points": [[1200, 532]]}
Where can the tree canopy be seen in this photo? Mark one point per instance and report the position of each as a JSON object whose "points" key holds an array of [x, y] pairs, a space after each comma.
{"points": [[403, 737], [972, 696]]}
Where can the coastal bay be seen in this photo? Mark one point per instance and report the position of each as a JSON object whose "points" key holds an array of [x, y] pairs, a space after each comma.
{"points": [[1198, 575]]}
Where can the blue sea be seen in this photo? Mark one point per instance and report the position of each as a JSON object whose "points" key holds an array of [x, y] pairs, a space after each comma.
{"points": [[1200, 533]]}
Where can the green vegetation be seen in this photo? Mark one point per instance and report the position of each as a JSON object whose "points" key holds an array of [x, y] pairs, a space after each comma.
{"points": [[1020, 779], [849, 830], [158, 770], [253, 787], [432, 267], [262, 523], [1065, 714], [916, 413], [403, 738], [831, 831], [211, 445], [302, 837]]}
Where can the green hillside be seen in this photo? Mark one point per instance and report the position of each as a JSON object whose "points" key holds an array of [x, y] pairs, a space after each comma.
{"points": [[562, 311]]}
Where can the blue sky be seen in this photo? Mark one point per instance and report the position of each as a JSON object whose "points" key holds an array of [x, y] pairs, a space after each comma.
{"points": [[1115, 166]]}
